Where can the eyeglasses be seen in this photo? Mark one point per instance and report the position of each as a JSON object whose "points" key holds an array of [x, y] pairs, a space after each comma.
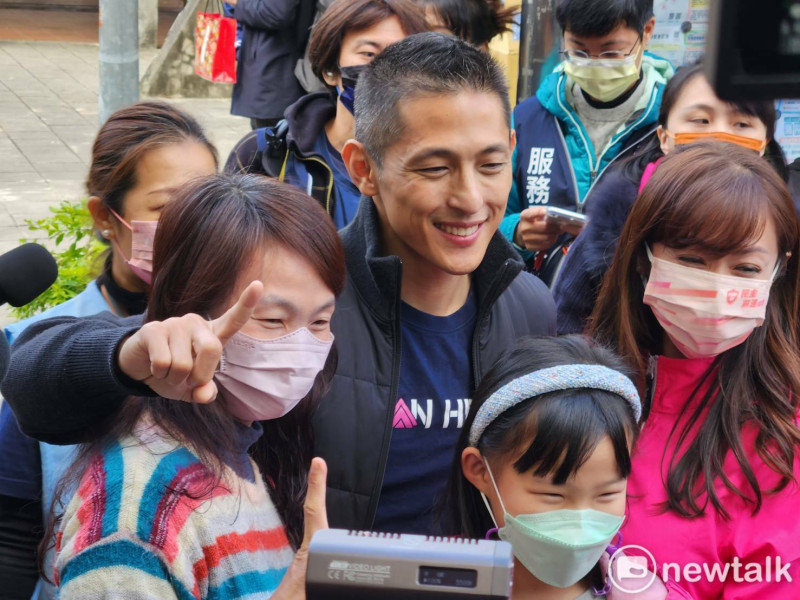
{"points": [[572, 54]]}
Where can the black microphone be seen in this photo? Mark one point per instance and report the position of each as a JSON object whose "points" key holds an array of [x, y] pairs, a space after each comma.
{"points": [[26, 272]]}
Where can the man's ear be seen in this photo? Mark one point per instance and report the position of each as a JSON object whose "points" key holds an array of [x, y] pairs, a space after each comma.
{"points": [[647, 34], [513, 143], [100, 216], [474, 469], [359, 165]]}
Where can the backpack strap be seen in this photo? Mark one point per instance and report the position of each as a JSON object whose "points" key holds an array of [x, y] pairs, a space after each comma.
{"points": [[272, 147]]}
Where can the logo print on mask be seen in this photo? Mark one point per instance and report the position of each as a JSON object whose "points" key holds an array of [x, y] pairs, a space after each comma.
{"points": [[733, 295]]}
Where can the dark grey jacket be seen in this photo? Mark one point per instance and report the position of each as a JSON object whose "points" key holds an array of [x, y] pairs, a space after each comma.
{"points": [[273, 40], [353, 424]]}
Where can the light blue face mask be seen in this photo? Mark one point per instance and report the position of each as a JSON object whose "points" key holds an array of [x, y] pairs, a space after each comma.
{"points": [[558, 547]]}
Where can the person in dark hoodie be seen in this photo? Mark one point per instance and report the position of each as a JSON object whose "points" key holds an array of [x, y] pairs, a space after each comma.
{"points": [[305, 148], [434, 294], [690, 110]]}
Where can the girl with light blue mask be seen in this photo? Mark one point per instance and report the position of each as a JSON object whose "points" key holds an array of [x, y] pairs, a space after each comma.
{"points": [[543, 462]]}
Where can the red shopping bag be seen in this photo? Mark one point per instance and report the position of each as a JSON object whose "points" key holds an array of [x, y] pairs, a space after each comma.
{"points": [[215, 53]]}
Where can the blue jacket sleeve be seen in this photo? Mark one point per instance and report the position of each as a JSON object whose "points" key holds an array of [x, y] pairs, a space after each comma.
{"points": [[266, 14], [63, 379], [590, 256]]}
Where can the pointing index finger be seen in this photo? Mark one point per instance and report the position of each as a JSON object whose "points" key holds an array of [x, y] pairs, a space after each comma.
{"points": [[237, 315]]}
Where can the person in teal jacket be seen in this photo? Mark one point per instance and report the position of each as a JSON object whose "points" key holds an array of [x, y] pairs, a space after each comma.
{"points": [[599, 103]]}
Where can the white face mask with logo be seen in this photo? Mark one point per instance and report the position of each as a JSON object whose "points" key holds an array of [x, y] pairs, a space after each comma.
{"points": [[558, 547], [703, 313]]}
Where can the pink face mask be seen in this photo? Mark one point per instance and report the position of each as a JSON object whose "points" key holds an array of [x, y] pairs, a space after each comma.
{"points": [[265, 379], [141, 260], [705, 314]]}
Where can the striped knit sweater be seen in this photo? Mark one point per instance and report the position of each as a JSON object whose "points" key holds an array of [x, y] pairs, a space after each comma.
{"points": [[144, 524]]}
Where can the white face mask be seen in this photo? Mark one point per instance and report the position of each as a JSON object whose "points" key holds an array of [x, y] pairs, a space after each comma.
{"points": [[703, 313], [558, 547]]}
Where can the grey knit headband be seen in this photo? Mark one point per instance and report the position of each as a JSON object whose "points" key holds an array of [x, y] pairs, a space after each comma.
{"points": [[562, 377]]}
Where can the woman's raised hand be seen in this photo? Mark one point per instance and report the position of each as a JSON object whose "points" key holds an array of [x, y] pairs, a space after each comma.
{"points": [[177, 358]]}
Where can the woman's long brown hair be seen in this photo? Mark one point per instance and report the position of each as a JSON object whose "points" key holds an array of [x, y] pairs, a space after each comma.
{"points": [[718, 198], [207, 237]]}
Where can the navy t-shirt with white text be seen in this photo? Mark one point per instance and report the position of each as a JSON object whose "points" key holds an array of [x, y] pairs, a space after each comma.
{"points": [[433, 401]]}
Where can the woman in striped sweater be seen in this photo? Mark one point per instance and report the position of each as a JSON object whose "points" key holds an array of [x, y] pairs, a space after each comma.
{"points": [[170, 502]]}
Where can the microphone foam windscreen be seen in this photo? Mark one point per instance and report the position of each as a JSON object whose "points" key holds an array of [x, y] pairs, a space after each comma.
{"points": [[25, 272]]}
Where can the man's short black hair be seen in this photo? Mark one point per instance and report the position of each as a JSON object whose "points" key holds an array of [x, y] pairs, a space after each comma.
{"points": [[596, 18], [425, 64]]}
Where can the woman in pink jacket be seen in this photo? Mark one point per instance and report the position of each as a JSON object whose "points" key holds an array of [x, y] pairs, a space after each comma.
{"points": [[702, 300]]}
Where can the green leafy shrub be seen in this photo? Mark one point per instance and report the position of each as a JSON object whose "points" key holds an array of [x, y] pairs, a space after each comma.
{"points": [[77, 253]]}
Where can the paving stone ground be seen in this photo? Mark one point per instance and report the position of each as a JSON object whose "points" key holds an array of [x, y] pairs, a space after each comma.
{"points": [[48, 119]]}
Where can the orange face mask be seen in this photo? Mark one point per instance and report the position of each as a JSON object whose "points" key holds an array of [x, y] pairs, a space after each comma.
{"points": [[739, 140]]}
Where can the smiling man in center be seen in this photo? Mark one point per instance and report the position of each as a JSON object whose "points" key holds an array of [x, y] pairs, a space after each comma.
{"points": [[434, 292]]}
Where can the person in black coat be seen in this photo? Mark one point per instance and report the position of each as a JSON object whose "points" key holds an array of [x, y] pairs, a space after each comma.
{"points": [[689, 106], [274, 37]]}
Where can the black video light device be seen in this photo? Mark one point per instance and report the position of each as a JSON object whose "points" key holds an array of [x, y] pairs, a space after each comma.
{"points": [[362, 565]]}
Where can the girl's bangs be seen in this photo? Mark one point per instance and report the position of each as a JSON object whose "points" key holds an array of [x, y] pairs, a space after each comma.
{"points": [[564, 430]]}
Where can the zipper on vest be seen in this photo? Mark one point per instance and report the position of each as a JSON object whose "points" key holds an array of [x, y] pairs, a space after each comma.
{"points": [[622, 134], [483, 312], [578, 202], [589, 151], [622, 153], [375, 496]]}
